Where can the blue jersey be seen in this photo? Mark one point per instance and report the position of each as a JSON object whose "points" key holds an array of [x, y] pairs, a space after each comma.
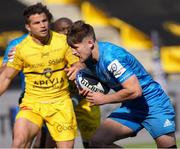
{"points": [[153, 110], [116, 65], [12, 44]]}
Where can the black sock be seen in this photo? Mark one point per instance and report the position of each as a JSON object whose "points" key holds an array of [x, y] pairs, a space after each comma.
{"points": [[85, 144], [173, 146]]}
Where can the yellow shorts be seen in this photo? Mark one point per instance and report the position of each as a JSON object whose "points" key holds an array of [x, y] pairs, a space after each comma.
{"points": [[58, 116], [88, 119]]}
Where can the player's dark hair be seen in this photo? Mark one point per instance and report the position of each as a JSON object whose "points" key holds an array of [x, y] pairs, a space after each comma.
{"points": [[59, 22], [78, 31], [36, 9], [66, 20]]}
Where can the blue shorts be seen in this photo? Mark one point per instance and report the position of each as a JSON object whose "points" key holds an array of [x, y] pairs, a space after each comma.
{"points": [[157, 122]]}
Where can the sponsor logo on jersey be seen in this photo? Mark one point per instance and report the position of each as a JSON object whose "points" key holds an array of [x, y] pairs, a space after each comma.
{"points": [[47, 72], [116, 68], [37, 65], [64, 127], [55, 61], [48, 83]]}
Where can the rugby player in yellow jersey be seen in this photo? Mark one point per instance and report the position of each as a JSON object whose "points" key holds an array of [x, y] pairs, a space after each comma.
{"points": [[88, 118], [42, 56]]}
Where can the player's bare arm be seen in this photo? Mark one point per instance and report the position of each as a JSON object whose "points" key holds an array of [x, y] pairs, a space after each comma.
{"points": [[2, 67], [5, 78], [10, 58], [131, 90]]}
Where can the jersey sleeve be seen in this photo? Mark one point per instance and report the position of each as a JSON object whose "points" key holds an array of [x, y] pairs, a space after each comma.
{"points": [[17, 62], [119, 68], [8, 49], [12, 44], [71, 59]]}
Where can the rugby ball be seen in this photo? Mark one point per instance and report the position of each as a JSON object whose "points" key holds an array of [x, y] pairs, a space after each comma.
{"points": [[87, 80]]}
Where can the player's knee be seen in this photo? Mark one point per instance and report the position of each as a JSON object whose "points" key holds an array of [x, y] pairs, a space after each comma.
{"points": [[166, 141]]}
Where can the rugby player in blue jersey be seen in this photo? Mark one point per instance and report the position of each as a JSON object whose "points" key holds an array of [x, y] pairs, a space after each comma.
{"points": [[144, 103]]}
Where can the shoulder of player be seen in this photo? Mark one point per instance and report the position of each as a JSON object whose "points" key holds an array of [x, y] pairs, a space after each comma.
{"points": [[24, 42], [58, 36], [112, 54], [59, 40]]}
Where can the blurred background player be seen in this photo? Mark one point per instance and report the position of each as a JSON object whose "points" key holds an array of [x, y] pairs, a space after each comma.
{"points": [[62, 25], [88, 118]]}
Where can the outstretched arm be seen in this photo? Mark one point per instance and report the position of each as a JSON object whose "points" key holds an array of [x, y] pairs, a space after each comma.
{"points": [[6, 76]]}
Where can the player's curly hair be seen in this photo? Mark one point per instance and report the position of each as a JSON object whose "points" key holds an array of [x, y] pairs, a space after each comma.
{"points": [[78, 31], [36, 9]]}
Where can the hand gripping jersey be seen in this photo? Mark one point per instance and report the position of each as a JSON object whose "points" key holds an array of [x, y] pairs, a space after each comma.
{"points": [[43, 67]]}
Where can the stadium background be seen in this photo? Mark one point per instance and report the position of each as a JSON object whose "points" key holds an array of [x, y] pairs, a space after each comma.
{"points": [[148, 29]]}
